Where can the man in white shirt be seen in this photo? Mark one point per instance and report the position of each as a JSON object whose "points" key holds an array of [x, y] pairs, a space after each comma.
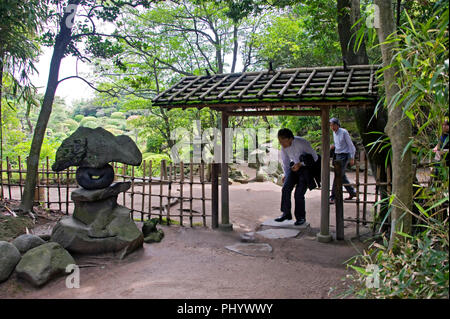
{"points": [[292, 147], [345, 151]]}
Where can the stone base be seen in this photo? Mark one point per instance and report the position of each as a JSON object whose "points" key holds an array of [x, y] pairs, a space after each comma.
{"points": [[324, 238], [120, 236], [226, 227]]}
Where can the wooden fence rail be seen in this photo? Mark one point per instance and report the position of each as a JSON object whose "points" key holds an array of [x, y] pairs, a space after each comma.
{"points": [[53, 189]]}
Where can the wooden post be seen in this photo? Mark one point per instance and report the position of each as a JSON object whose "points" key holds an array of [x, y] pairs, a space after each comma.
{"points": [[1, 180], [366, 169], [20, 176], [143, 191], [191, 181], [181, 192], [132, 192], [124, 173], [8, 173], [357, 198], [169, 193], [161, 168], [202, 181], [214, 195], [324, 234], [47, 184], [67, 190], [225, 225], [339, 200], [150, 175]]}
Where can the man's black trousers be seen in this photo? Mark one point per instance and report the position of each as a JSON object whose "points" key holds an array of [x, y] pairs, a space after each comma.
{"points": [[298, 178]]}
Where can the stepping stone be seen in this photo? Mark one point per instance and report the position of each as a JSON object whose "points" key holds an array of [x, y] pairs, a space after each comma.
{"points": [[251, 249], [279, 233], [284, 224], [248, 237]]}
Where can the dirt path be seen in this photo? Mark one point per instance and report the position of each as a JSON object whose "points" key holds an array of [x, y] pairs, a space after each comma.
{"points": [[194, 263]]}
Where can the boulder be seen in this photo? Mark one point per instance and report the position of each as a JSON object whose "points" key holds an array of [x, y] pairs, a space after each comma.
{"points": [[112, 232], [43, 263], [95, 148], [26, 242], [9, 257]]}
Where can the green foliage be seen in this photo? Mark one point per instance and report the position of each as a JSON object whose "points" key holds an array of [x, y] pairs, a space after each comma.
{"points": [[418, 269], [118, 115], [78, 117]]}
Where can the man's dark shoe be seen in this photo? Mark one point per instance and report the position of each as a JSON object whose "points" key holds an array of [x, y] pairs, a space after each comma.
{"points": [[350, 197], [299, 222], [283, 218]]}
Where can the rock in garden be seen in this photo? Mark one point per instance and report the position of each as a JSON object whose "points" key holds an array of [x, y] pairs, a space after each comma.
{"points": [[43, 263], [26, 242], [98, 224], [150, 232], [9, 257], [154, 237], [95, 148]]}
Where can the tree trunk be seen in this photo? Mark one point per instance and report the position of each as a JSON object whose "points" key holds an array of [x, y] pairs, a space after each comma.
{"points": [[398, 128], [1, 118], [348, 13], [61, 42]]}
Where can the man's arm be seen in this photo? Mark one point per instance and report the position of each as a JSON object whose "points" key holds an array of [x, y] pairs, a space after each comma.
{"points": [[352, 148], [285, 161]]}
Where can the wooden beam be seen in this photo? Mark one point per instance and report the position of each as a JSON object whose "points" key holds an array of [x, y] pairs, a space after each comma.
{"points": [[261, 92], [288, 83], [324, 234], [184, 88], [276, 113], [199, 87], [302, 89], [244, 90], [214, 86], [347, 83], [225, 223], [324, 90], [231, 86]]}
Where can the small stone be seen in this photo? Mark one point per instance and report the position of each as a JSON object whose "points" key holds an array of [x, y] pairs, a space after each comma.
{"points": [[149, 226], [251, 249], [9, 257], [278, 233], [43, 263], [26, 242], [154, 237], [248, 237]]}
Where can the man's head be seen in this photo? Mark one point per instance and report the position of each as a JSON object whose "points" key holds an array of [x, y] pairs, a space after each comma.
{"points": [[285, 137], [445, 127], [335, 124]]}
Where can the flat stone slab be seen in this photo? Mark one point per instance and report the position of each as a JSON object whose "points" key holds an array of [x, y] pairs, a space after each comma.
{"points": [[84, 195], [279, 233], [284, 224], [251, 249]]}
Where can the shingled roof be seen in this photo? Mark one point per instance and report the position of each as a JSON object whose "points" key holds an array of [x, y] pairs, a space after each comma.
{"points": [[301, 86]]}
